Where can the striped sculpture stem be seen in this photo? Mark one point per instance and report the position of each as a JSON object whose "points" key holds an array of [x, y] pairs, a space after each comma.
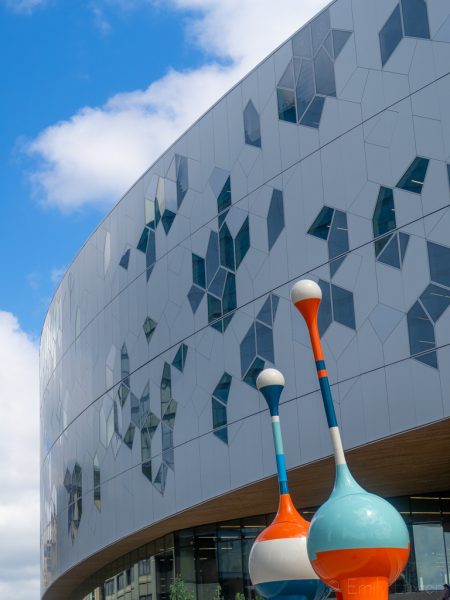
{"points": [[279, 566], [357, 543]]}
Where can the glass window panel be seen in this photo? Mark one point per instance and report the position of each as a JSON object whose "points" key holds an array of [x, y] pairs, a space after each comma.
{"points": [[264, 342], [265, 314], [242, 242], [149, 327], [230, 558], [150, 255], [252, 128], [165, 388], [275, 300], [287, 79], [229, 294], [160, 479], [223, 388], [226, 248], [383, 219], [328, 45], [195, 296], [224, 198], [286, 106], [404, 241], [322, 225], [219, 413], [390, 35], [185, 558], [301, 43], [167, 445], [425, 508], [324, 74], [254, 371], [142, 244], [129, 436], [343, 308], [320, 28], [439, 260], [214, 308], [415, 18], [391, 253], [421, 334], [339, 40], [198, 270], [414, 178], [206, 557], [275, 217], [248, 349], [125, 259], [430, 556], [305, 88], [212, 257], [312, 116], [222, 434], [338, 239], [181, 163], [167, 219], [217, 285], [325, 315], [435, 300]]}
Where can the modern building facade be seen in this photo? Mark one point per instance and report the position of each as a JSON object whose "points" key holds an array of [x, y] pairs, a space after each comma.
{"points": [[329, 161]]}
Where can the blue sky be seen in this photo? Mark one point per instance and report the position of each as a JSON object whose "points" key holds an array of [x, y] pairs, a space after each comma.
{"points": [[60, 58], [93, 91]]}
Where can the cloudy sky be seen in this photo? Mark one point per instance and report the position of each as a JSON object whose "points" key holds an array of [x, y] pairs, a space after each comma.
{"points": [[93, 92]]}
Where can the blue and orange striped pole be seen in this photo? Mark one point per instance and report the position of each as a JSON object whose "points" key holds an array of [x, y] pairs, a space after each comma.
{"points": [[357, 542], [279, 566]]}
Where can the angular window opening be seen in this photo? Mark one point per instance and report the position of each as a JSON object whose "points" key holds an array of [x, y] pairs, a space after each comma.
{"points": [[265, 314], [149, 327], [264, 342], [340, 38], [218, 283], [322, 224], [224, 201], [165, 388], [312, 116], [124, 261], [242, 242], [301, 44], [286, 105], [226, 246], [383, 219], [435, 300], [338, 240], [161, 478], [305, 88], [287, 79], [214, 309], [180, 358], [275, 218], [439, 261], [324, 74], [248, 349], [415, 18], [229, 295], [219, 413], [252, 128], [320, 28], [421, 335], [198, 271], [343, 306], [222, 389], [181, 166], [195, 296], [414, 178], [129, 436], [391, 35], [212, 257], [255, 369], [390, 255], [325, 317]]}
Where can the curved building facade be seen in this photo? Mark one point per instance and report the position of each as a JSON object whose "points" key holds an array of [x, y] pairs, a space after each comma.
{"points": [[329, 161]]}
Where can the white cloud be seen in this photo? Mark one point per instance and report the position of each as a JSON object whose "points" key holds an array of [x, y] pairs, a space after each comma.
{"points": [[24, 6], [93, 157], [19, 460]]}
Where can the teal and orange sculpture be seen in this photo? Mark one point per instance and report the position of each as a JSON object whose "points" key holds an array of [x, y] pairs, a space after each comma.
{"points": [[357, 543], [278, 564]]}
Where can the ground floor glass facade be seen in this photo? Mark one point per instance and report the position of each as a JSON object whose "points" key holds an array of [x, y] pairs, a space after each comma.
{"points": [[217, 554]]}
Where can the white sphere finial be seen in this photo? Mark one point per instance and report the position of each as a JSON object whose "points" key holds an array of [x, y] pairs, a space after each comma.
{"points": [[305, 289], [269, 377]]}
